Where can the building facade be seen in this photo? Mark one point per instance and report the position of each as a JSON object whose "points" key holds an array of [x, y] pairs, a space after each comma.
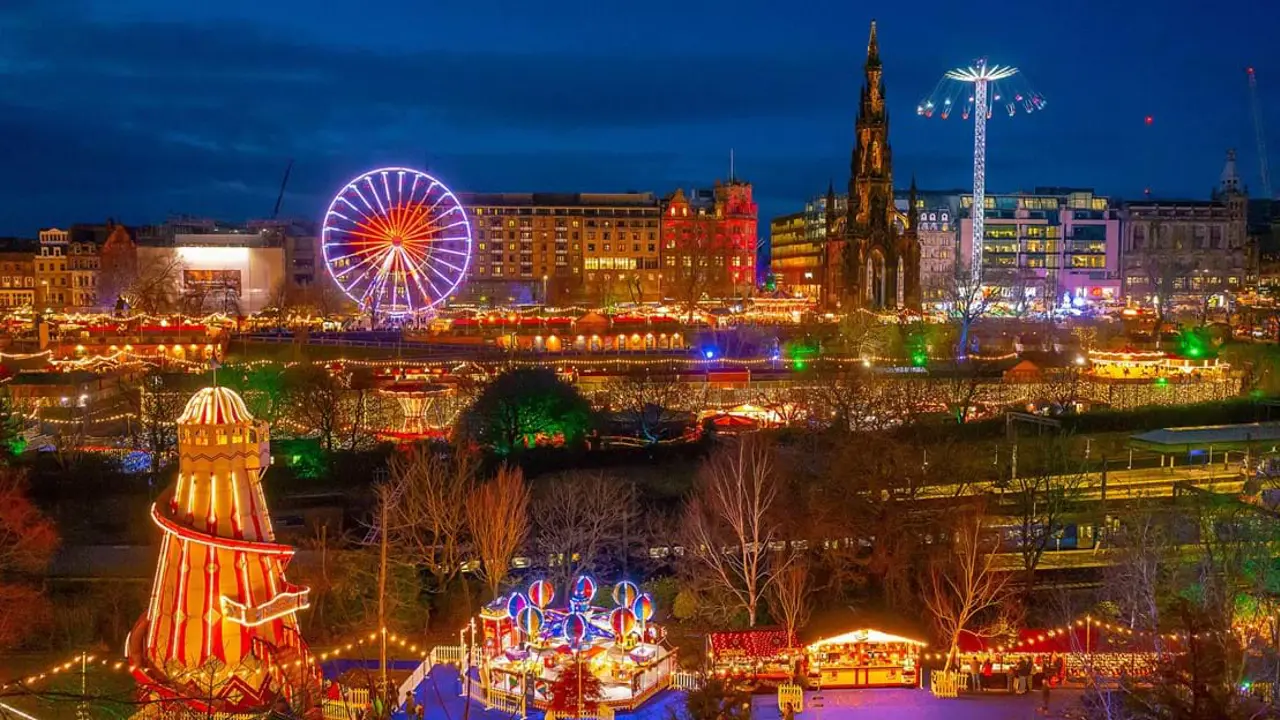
{"points": [[561, 248], [118, 266], [222, 269], [709, 242], [1051, 247], [795, 260], [53, 271], [1190, 247], [18, 273], [872, 258], [84, 262], [936, 230]]}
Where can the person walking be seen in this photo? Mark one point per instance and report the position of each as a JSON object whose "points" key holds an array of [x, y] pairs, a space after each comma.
{"points": [[410, 705], [975, 674], [1024, 676], [1044, 697]]}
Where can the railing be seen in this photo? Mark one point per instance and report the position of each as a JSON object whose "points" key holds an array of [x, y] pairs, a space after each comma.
{"points": [[451, 654], [348, 707], [945, 684], [439, 655], [512, 703], [687, 681], [600, 712], [158, 712], [790, 696]]}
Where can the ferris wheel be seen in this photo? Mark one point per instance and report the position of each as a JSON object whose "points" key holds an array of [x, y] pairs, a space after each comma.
{"points": [[397, 241]]}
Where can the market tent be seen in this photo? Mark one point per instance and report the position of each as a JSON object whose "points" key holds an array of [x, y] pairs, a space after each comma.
{"points": [[1031, 640], [761, 643], [865, 636], [592, 322]]}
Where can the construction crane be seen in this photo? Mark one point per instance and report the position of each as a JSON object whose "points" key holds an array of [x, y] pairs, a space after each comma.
{"points": [[283, 183], [1258, 130]]}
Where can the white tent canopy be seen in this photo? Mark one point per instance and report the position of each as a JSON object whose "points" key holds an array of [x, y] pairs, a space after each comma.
{"points": [[871, 637]]}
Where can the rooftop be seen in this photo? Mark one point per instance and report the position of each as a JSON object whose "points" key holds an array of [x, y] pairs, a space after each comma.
{"points": [[628, 199], [1220, 437]]}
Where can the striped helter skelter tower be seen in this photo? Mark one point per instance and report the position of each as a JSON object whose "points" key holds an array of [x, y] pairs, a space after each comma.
{"points": [[220, 630]]}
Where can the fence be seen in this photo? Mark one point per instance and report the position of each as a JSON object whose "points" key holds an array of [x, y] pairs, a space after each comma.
{"points": [[790, 694], [512, 703], [945, 684], [601, 712], [687, 681]]}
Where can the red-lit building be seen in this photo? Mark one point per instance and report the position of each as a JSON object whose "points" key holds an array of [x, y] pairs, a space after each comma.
{"points": [[709, 242]]}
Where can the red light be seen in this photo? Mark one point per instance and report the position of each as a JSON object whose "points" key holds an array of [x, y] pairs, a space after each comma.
{"points": [[1249, 70], [1150, 120]]}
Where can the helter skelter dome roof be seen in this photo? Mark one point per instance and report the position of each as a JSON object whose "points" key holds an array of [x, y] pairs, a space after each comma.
{"points": [[215, 406]]}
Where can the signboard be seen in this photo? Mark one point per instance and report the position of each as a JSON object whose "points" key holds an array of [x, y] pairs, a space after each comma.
{"points": [[211, 280]]}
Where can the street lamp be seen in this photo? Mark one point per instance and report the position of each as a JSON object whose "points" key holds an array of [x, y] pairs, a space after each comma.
{"points": [[544, 289]]}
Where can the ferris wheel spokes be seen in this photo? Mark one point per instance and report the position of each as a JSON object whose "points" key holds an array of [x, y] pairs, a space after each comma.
{"points": [[394, 247]]}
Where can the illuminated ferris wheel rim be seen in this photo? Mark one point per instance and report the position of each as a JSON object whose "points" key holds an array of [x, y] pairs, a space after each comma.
{"points": [[417, 247]]}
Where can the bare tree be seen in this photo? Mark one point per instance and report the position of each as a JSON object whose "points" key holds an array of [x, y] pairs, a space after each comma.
{"points": [[1019, 290], [428, 522], [647, 401], [582, 521], [963, 581], [847, 397], [157, 406], [967, 302], [861, 335], [695, 255], [1062, 386], [790, 404], [317, 397], [964, 389], [790, 594], [1143, 562], [730, 526], [498, 517], [1164, 261], [155, 288], [1042, 497]]}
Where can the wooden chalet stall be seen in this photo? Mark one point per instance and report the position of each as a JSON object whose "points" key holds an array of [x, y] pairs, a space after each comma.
{"points": [[765, 656], [865, 658]]}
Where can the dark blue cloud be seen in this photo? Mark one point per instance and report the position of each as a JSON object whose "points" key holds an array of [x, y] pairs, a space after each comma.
{"points": [[139, 108]]}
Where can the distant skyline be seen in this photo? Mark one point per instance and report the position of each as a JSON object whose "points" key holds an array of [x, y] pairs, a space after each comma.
{"points": [[138, 109]]}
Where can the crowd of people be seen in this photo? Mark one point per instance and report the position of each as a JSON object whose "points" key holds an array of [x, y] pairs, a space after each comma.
{"points": [[1018, 673]]}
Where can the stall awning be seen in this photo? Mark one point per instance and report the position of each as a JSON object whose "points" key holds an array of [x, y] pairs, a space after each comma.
{"points": [[756, 644], [1076, 639], [867, 636]]}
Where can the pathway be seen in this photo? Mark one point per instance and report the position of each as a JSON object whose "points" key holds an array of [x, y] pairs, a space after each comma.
{"points": [[439, 693]]}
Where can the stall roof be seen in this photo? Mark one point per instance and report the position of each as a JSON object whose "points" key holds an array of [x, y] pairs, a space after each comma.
{"points": [[1221, 437], [864, 636]]}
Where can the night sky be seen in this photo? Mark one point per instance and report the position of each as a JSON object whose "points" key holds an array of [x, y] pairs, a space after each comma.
{"points": [[136, 109]]}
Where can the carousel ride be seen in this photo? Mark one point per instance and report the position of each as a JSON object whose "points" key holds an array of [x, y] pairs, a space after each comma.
{"points": [[428, 409], [528, 643]]}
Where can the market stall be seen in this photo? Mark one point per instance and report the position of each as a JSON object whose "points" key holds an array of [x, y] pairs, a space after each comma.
{"points": [[865, 658], [765, 657]]}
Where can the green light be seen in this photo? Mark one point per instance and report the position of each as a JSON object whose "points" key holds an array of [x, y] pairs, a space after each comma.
{"points": [[1162, 382]]}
